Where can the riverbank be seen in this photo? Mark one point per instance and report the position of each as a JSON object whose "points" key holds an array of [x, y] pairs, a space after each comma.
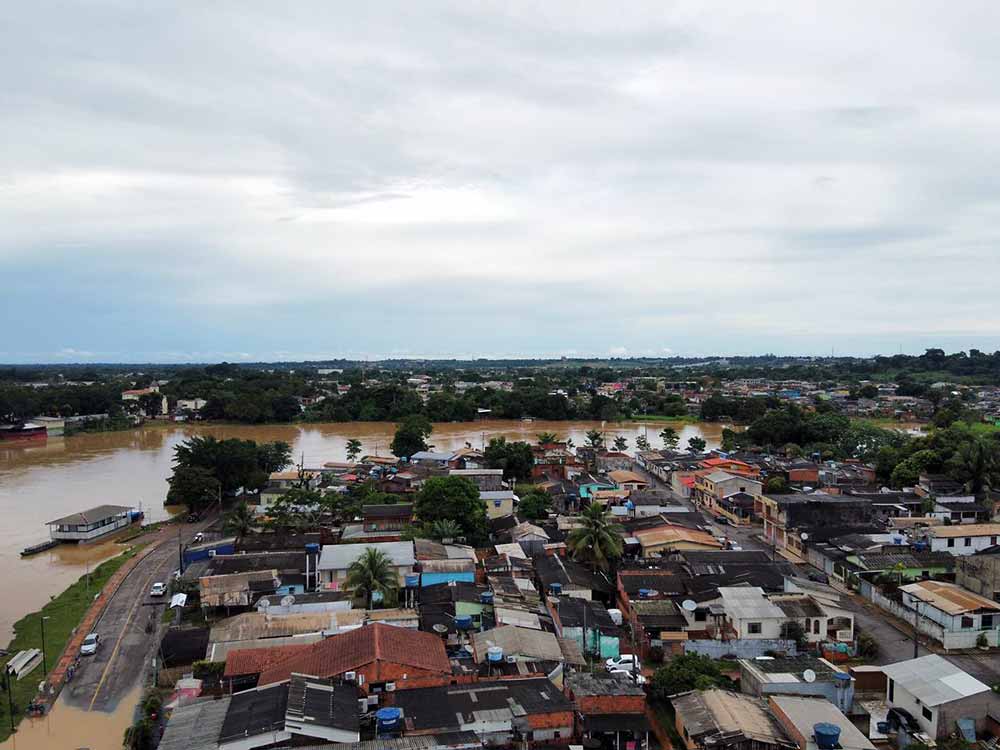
{"points": [[63, 615]]}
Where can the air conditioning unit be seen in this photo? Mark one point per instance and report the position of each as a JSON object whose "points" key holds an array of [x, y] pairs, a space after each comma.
{"points": [[844, 635], [363, 705], [212, 553], [390, 687], [372, 700], [350, 676]]}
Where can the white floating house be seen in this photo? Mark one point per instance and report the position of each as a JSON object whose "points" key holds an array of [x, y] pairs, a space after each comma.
{"points": [[90, 524]]}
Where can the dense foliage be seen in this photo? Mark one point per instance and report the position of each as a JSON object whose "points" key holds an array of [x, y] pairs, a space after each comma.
{"points": [[686, 672], [515, 458], [453, 499]]}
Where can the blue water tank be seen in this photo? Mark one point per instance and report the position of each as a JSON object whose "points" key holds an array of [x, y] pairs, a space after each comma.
{"points": [[412, 580], [555, 588], [388, 720], [630, 505], [486, 597], [494, 654], [463, 622], [842, 677], [827, 735], [312, 548], [645, 593]]}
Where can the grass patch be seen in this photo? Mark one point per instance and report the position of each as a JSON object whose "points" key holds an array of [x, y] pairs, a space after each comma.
{"points": [[65, 612], [683, 419]]}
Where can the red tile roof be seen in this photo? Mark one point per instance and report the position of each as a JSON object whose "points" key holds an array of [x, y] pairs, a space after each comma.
{"points": [[246, 661], [354, 649]]}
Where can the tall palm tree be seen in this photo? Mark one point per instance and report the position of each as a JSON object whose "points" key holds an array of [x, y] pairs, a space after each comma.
{"points": [[240, 520], [670, 438], [544, 438], [598, 540], [372, 571], [621, 443], [353, 449], [976, 462]]}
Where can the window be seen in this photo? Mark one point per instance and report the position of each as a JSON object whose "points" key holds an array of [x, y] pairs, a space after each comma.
{"points": [[967, 622], [816, 626], [993, 541], [951, 542], [968, 541], [987, 622], [928, 714], [753, 628], [700, 615], [892, 688]]}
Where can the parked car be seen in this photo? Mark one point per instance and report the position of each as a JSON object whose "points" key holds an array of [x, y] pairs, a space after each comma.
{"points": [[635, 677], [158, 589], [90, 644], [624, 662]]}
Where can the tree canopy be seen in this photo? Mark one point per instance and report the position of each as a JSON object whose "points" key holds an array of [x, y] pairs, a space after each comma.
{"points": [[453, 499], [411, 436]]}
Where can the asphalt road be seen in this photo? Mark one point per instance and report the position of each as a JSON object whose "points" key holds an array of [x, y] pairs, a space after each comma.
{"points": [[126, 647]]}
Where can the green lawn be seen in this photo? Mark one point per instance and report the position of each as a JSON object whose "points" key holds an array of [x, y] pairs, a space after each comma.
{"points": [[64, 612]]}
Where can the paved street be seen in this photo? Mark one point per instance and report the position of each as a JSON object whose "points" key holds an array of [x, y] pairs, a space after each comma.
{"points": [[126, 646]]}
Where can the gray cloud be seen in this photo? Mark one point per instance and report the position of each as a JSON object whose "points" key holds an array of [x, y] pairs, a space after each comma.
{"points": [[253, 179]]}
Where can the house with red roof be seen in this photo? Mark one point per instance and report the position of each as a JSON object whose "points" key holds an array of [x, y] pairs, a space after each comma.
{"points": [[373, 656]]}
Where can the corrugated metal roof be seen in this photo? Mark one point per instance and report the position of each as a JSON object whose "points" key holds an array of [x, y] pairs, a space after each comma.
{"points": [[934, 680]]}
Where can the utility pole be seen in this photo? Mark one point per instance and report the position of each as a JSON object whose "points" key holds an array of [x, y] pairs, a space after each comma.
{"points": [[9, 679], [180, 550], [45, 670], [916, 628]]}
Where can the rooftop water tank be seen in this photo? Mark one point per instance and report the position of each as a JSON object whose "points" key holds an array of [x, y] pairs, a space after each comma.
{"points": [[389, 720], [645, 593], [312, 548], [494, 654], [486, 597], [463, 622], [412, 580], [841, 678], [827, 735], [555, 588]]}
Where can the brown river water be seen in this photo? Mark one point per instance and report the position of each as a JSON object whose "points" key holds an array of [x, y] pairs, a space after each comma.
{"points": [[66, 475]]}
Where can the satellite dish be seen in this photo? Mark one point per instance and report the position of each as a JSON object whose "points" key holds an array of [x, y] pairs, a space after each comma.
{"points": [[809, 676], [264, 603], [803, 536], [690, 605], [440, 627], [287, 601]]}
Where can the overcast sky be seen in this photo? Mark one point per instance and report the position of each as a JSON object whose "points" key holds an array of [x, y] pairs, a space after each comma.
{"points": [[261, 180]]}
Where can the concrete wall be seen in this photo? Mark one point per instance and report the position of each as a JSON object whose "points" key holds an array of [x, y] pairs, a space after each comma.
{"points": [[742, 649], [979, 574]]}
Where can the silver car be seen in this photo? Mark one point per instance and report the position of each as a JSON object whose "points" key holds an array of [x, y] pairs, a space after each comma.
{"points": [[90, 644]]}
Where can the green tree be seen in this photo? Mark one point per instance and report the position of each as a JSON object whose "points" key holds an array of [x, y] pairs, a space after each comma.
{"points": [[445, 529], [546, 438], [299, 509], [411, 436], [696, 444], [976, 462], [642, 443], [535, 504], [274, 456], [670, 438], [353, 449], [776, 486], [455, 499], [372, 572], [240, 520], [621, 443], [686, 672], [193, 486], [515, 458], [598, 540], [595, 439]]}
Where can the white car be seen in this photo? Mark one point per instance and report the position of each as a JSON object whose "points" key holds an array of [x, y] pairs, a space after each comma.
{"points": [[158, 589], [635, 677], [90, 643], [624, 663]]}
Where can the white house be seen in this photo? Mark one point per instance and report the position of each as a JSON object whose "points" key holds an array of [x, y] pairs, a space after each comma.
{"points": [[335, 559], [963, 539], [936, 693], [750, 614], [961, 616]]}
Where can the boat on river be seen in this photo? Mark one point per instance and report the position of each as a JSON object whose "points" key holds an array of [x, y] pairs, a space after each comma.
{"points": [[22, 432], [34, 549]]}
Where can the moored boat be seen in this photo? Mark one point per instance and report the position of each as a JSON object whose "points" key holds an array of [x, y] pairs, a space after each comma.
{"points": [[22, 432]]}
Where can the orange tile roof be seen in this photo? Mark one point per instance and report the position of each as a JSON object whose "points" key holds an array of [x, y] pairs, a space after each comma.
{"points": [[349, 651], [245, 661]]}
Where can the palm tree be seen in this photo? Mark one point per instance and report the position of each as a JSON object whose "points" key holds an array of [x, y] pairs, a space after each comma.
{"points": [[621, 443], [595, 438], [240, 520], [598, 540], [445, 528], [670, 438], [372, 572], [696, 444], [642, 443], [353, 449], [545, 438], [976, 462]]}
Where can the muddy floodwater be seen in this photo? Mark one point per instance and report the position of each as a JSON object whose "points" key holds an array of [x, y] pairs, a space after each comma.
{"points": [[75, 729], [66, 475]]}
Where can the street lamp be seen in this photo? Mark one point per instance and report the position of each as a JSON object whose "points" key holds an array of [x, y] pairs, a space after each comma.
{"points": [[45, 670]]}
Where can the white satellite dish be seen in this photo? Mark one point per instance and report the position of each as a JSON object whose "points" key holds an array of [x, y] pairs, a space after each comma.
{"points": [[440, 627], [809, 676], [803, 536], [689, 605], [287, 601], [264, 603]]}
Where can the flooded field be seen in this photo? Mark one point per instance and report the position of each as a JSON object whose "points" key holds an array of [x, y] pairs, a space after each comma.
{"points": [[66, 475]]}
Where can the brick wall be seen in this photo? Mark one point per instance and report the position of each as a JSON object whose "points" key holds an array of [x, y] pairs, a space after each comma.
{"points": [[611, 704]]}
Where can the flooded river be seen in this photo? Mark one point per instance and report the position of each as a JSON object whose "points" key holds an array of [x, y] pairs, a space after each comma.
{"points": [[66, 475]]}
